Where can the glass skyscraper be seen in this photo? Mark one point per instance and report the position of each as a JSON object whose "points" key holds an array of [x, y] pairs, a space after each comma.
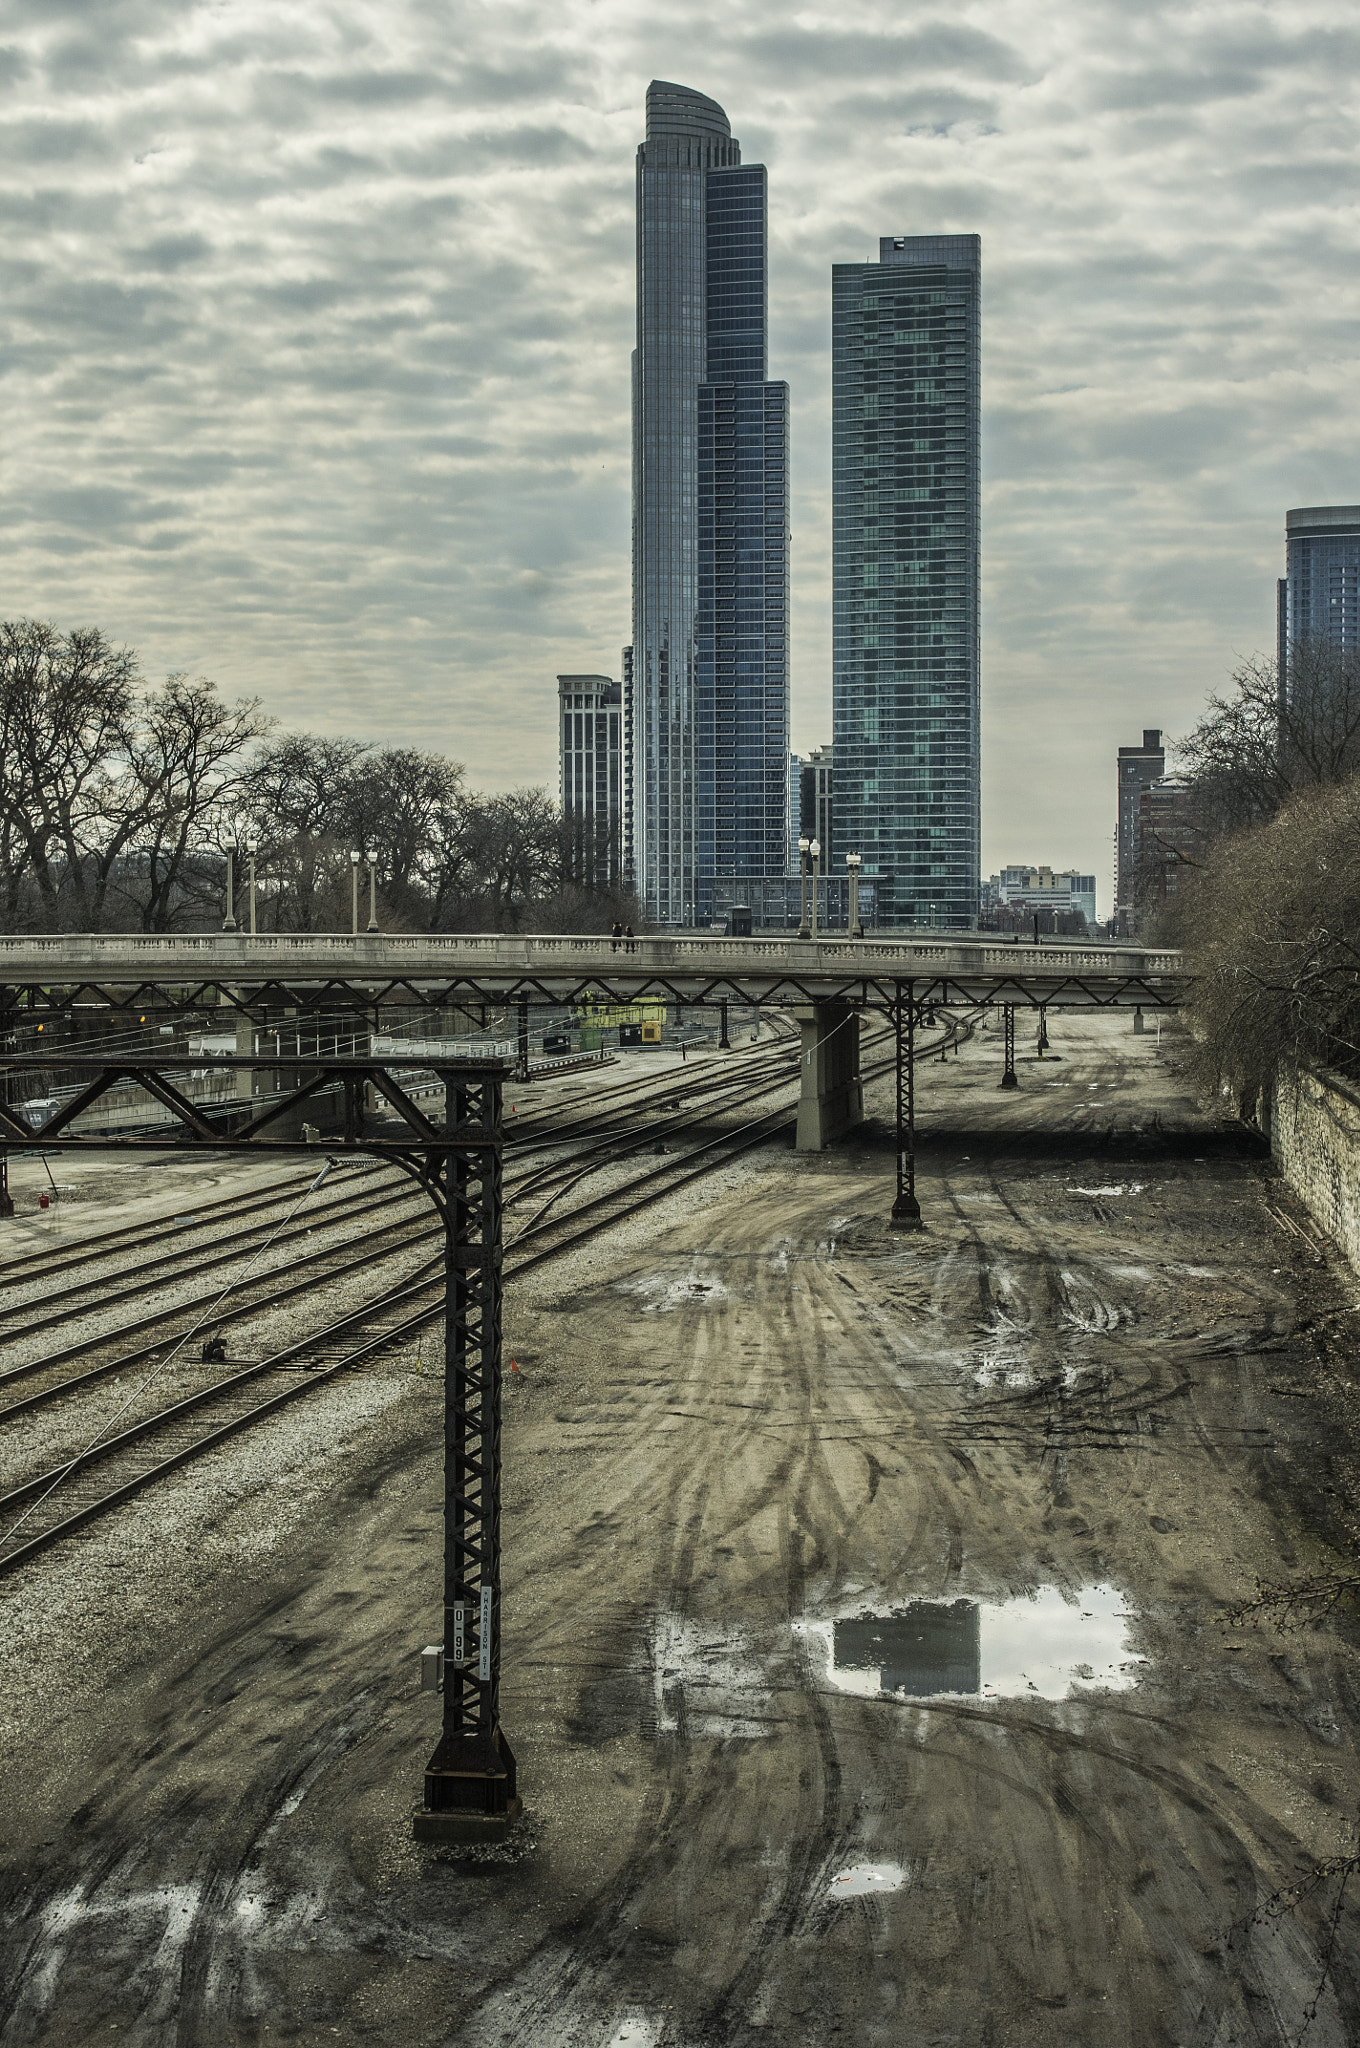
{"points": [[1320, 593], [710, 520], [905, 430]]}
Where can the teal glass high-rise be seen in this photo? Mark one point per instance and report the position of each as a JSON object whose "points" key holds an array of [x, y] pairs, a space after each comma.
{"points": [[905, 534], [710, 520]]}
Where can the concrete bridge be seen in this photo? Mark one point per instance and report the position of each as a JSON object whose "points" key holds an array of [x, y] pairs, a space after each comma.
{"points": [[829, 981], [312, 969]]}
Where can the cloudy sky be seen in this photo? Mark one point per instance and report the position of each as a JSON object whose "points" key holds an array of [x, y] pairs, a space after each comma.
{"points": [[317, 317]]}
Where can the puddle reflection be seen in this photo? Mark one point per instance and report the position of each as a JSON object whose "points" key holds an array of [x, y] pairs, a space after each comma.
{"points": [[1047, 1643]]}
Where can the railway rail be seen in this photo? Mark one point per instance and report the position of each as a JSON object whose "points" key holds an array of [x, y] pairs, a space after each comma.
{"points": [[65, 1498]]}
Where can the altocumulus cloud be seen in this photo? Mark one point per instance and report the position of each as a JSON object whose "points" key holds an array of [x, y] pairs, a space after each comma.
{"points": [[317, 322]]}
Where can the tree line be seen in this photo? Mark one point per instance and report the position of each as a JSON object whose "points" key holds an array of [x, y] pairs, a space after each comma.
{"points": [[1269, 910], [118, 802]]}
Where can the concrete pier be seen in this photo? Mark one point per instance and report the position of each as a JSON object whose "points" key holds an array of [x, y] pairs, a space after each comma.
{"points": [[831, 1100]]}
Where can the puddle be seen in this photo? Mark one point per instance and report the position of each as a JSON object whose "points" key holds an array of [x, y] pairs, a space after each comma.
{"points": [[1133, 1187], [863, 1880], [1043, 1645]]}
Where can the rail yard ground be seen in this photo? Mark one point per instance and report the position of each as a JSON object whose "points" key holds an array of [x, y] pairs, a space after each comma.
{"points": [[866, 1659]]}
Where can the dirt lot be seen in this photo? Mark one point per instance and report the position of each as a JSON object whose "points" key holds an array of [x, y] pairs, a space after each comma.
{"points": [[865, 1659]]}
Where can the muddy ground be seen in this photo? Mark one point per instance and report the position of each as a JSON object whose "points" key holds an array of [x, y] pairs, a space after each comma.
{"points": [[865, 1652]]}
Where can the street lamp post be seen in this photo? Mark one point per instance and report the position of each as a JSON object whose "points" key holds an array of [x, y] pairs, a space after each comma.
{"points": [[815, 849], [373, 892], [354, 872], [803, 846], [229, 921], [853, 925], [252, 847]]}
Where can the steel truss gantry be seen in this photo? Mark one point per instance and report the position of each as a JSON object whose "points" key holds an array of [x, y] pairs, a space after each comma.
{"points": [[470, 1779], [20, 1001]]}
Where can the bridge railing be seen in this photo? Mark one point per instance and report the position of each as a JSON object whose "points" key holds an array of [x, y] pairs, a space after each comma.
{"points": [[24, 955]]}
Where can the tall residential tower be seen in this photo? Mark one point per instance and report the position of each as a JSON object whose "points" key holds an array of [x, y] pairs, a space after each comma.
{"points": [[710, 520], [1319, 596], [905, 420]]}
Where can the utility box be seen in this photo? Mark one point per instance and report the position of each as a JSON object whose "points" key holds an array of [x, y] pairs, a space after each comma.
{"points": [[651, 1034], [555, 1042], [591, 1038], [630, 1034]]}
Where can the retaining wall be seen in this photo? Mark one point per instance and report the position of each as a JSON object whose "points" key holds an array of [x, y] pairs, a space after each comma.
{"points": [[1315, 1137]]}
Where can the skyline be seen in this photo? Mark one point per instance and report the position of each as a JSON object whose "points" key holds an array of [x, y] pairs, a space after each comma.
{"points": [[319, 329]]}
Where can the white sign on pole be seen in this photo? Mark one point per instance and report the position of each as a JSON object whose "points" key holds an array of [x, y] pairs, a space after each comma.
{"points": [[484, 1643], [459, 1635]]}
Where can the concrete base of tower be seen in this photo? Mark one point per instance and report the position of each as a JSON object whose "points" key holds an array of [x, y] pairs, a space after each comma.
{"points": [[831, 1100]]}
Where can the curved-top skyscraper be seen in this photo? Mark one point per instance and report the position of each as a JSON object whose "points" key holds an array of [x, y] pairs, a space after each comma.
{"points": [[710, 520]]}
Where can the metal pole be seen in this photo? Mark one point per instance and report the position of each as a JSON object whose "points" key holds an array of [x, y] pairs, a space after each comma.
{"points": [[372, 895], [522, 1063], [252, 892], [724, 1043], [816, 867], [1008, 1079], [470, 1779], [906, 1210], [229, 921], [354, 872], [802, 889]]}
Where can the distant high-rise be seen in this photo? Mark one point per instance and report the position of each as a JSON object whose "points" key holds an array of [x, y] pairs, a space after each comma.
{"points": [[1139, 768], [710, 520], [905, 342], [1319, 597], [593, 730]]}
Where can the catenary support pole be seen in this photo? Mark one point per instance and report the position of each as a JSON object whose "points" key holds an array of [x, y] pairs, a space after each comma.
{"points": [[1008, 1079], [470, 1779], [522, 1063], [906, 1210], [724, 1042]]}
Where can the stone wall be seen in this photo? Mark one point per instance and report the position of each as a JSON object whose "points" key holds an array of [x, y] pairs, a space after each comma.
{"points": [[1315, 1137]]}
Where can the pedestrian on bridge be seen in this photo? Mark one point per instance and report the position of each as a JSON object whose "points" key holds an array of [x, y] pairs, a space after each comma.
{"points": [[615, 936]]}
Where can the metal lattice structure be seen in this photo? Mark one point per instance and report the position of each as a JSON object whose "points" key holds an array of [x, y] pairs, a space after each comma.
{"points": [[458, 1164], [906, 1209], [1008, 1078]]}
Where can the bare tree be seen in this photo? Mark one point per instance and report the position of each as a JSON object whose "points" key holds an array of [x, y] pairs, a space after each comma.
{"points": [[66, 712], [1253, 749], [185, 760], [299, 798], [1272, 930]]}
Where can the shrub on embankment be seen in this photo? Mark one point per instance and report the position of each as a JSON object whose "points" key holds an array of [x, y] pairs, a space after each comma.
{"points": [[1271, 930]]}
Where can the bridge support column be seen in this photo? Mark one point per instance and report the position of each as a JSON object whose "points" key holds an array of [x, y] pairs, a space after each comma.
{"points": [[906, 1210], [724, 1042], [1008, 1079], [832, 1098]]}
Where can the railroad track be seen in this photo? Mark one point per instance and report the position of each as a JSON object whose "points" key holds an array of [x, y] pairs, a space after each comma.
{"points": [[69, 1495], [592, 1148], [556, 1123]]}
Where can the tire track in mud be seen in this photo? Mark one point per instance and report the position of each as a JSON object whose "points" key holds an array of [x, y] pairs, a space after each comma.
{"points": [[566, 1992], [1220, 1847]]}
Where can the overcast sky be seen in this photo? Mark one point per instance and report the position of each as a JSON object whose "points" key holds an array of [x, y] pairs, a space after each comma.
{"points": [[317, 318]]}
